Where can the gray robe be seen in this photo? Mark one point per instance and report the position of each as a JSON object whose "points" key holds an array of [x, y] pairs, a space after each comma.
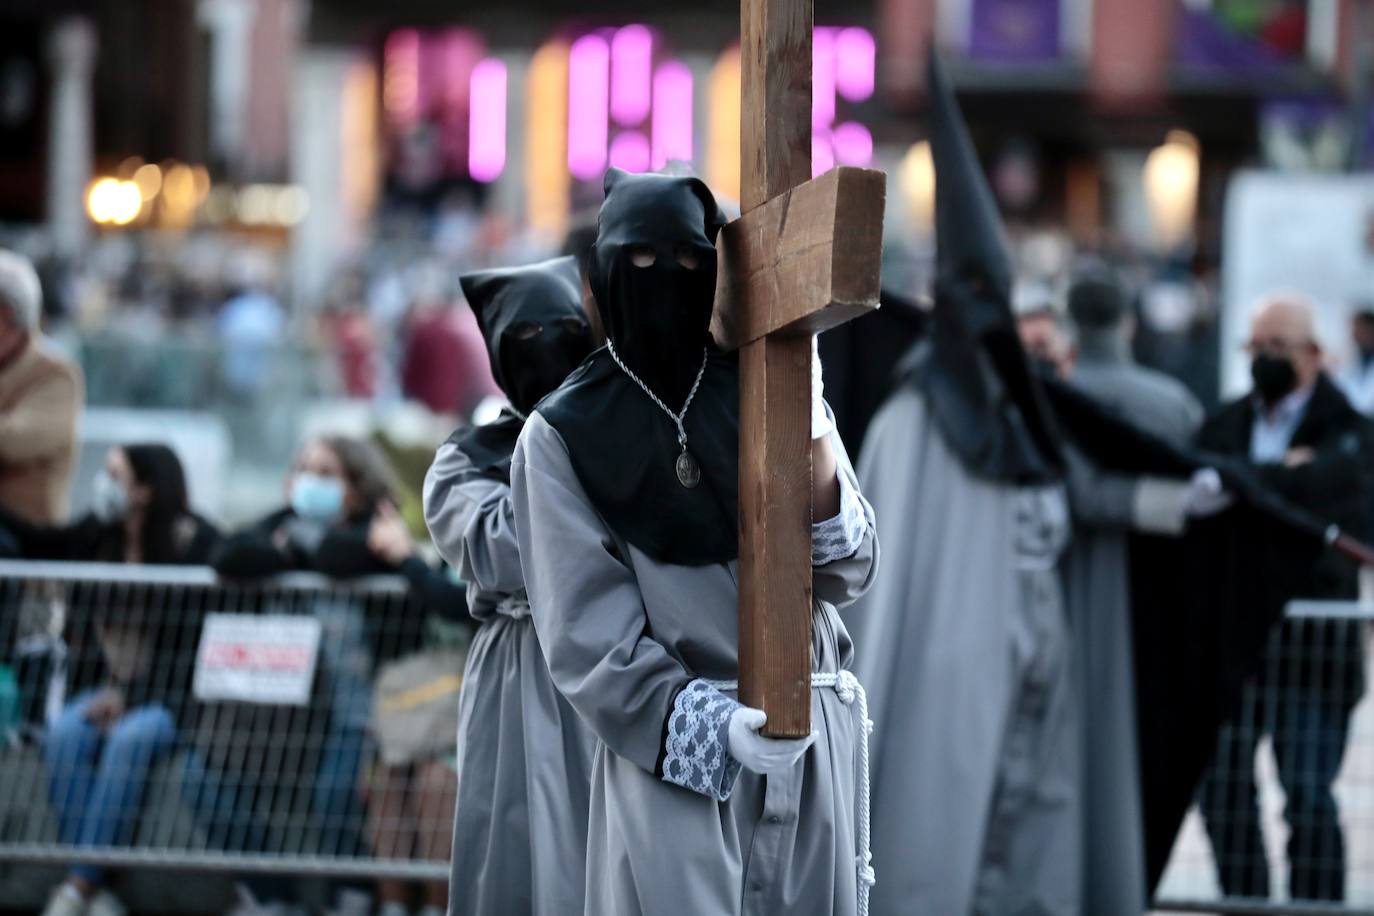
{"points": [[628, 640], [524, 756], [965, 650], [1106, 507], [1097, 590]]}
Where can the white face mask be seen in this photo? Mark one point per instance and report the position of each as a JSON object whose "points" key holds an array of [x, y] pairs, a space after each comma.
{"points": [[110, 502]]}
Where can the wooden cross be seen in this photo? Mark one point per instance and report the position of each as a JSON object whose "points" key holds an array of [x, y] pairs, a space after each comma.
{"points": [[803, 257]]}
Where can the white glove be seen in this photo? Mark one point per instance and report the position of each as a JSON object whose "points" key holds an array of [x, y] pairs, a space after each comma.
{"points": [[1205, 495], [760, 754], [821, 424]]}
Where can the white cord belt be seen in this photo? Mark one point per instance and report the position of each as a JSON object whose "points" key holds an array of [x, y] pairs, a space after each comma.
{"points": [[851, 694]]}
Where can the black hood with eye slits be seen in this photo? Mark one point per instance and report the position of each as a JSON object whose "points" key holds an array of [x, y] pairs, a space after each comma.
{"points": [[536, 333], [622, 446]]}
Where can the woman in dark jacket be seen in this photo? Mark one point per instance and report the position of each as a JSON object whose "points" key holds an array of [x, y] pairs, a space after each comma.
{"points": [[340, 521], [102, 747]]}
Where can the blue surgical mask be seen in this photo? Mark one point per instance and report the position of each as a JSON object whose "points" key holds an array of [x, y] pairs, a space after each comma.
{"points": [[317, 498]]}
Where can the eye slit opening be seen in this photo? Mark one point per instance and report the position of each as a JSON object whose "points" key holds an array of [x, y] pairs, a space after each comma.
{"points": [[687, 256], [527, 330], [642, 256], [572, 325]]}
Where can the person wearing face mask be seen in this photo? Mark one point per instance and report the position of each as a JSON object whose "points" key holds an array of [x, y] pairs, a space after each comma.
{"points": [[521, 746], [102, 747], [624, 487], [340, 521], [1305, 440]]}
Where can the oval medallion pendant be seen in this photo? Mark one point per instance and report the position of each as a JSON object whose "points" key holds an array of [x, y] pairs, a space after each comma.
{"points": [[688, 471]]}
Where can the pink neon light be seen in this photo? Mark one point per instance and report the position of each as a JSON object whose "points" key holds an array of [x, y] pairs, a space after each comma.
{"points": [[487, 126], [822, 155], [853, 144], [632, 51], [461, 52], [855, 53], [588, 77], [630, 151], [823, 78], [672, 114]]}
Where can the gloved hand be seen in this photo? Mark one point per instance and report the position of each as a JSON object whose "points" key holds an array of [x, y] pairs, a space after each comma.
{"points": [[1205, 495], [821, 425], [760, 754]]}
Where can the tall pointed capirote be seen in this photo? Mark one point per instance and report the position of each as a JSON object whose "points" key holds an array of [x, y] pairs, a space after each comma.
{"points": [[973, 369]]}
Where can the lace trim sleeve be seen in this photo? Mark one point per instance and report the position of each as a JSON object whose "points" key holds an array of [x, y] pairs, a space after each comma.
{"points": [[840, 537], [697, 755]]}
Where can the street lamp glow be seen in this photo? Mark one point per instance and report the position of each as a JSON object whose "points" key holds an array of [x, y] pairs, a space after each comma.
{"points": [[112, 201]]}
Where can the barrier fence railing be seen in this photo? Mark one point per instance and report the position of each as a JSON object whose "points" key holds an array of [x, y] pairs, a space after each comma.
{"points": [[305, 726], [1284, 819], [297, 724]]}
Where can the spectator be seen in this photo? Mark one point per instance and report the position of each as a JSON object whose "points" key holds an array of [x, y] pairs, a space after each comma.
{"points": [[444, 364], [1305, 441], [102, 747], [250, 325], [1106, 369], [40, 401], [340, 521], [1048, 341], [1358, 378]]}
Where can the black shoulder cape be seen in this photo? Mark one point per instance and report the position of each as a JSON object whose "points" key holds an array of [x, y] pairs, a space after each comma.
{"points": [[623, 448], [489, 446]]}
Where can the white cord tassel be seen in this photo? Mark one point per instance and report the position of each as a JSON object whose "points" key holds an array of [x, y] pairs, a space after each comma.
{"points": [[849, 690]]}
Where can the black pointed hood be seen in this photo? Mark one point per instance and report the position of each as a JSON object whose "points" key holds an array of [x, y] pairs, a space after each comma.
{"points": [[972, 369], [536, 333]]}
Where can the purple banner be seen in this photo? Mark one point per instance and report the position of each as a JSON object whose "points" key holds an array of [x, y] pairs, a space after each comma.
{"points": [[1014, 31]]}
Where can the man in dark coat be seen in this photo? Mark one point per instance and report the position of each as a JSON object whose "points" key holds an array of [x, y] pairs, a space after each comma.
{"points": [[1306, 442]]}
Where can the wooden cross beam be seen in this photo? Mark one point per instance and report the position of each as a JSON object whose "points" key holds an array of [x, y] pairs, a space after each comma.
{"points": [[803, 257]]}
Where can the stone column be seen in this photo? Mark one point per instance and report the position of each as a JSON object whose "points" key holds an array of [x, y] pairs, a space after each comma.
{"points": [[230, 24], [71, 56], [332, 154]]}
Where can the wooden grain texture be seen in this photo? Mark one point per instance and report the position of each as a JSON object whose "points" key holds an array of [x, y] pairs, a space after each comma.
{"points": [[775, 437], [775, 98], [803, 262], [775, 532]]}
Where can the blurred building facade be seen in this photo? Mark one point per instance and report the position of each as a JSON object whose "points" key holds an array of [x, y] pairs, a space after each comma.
{"points": [[323, 128]]}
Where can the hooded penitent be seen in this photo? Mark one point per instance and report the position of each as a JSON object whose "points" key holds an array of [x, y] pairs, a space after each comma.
{"points": [[973, 373], [653, 273], [536, 333]]}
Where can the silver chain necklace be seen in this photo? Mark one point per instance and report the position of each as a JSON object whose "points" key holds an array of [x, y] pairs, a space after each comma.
{"points": [[688, 471]]}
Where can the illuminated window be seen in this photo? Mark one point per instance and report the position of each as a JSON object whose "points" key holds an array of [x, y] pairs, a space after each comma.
{"points": [[444, 103], [627, 106]]}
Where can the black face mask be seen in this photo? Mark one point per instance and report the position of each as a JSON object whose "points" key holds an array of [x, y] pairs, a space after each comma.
{"points": [[1275, 378], [532, 320], [658, 317]]}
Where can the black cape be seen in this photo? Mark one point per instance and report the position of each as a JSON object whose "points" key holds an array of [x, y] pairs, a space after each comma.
{"points": [[623, 448], [490, 445]]}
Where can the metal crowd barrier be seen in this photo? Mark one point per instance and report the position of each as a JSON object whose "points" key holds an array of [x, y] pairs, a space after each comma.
{"points": [[1284, 820], [295, 725], [305, 726]]}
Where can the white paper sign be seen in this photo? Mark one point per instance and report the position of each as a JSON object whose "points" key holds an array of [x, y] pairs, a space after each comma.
{"points": [[250, 658]]}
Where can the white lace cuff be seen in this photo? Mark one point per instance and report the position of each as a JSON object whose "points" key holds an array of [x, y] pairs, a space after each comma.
{"points": [[697, 746], [839, 537]]}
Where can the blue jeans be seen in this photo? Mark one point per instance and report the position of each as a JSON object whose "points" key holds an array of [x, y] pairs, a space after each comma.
{"points": [[97, 779]]}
